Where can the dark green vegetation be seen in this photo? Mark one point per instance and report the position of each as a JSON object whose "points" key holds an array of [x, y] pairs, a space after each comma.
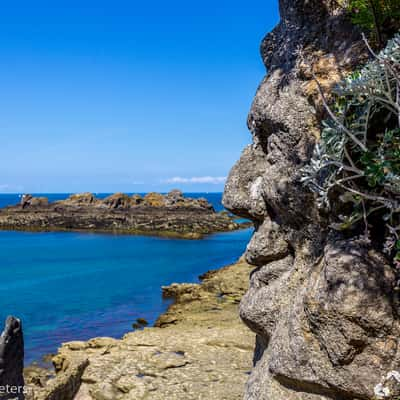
{"points": [[380, 18], [355, 169]]}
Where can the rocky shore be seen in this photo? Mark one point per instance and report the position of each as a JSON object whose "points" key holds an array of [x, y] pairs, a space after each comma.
{"points": [[324, 306], [199, 349], [154, 214]]}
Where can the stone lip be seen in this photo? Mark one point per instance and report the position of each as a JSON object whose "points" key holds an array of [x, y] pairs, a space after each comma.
{"points": [[171, 214], [198, 349]]}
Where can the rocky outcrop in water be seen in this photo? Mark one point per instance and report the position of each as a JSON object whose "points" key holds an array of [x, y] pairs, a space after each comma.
{"points": [[171, 215], [12, 361], [324, 308], [199, 350]]}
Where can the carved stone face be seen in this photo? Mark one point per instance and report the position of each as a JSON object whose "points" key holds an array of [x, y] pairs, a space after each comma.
{"points": [[264, 187], [323, 310]]}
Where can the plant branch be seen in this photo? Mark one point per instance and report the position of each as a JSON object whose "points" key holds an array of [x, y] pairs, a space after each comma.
{"points": [[335, 119], [371, 197]]}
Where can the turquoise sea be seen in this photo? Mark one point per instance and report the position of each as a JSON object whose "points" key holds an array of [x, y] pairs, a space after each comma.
{"points": [[74, 286]]}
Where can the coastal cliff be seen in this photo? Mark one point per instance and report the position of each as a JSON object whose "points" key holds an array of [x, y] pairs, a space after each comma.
{"points": [[171, 215], [324, 306]]}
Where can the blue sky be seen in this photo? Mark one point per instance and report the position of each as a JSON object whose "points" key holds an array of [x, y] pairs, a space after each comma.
{"points": [[125, 95]]}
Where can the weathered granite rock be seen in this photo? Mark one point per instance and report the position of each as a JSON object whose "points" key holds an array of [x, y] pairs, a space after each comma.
{"points": [[27, 200], [202, 351], [137, 199], [64, 386], [156, 214], [323, 307], [80, 199], [154, 199], [39, 202], [119, 200], [174, 197], [12, 361]]}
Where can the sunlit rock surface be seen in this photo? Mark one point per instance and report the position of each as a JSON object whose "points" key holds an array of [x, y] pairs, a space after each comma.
{"points": [[324, 308], [172, 215]]}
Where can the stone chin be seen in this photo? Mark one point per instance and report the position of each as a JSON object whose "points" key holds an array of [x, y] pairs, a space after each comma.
{"points": [[260, 307]]}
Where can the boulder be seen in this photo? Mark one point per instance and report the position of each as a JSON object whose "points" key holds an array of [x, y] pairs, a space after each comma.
{"points": [[153, 199], [27, 200], [174, 198], [136, 199], [118, 200], [12, 361], [204, 203], [80, 199], [39, 202], [66, 383]]}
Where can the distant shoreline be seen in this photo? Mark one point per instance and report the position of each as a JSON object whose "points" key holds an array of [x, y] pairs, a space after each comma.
{"points": [[167, 215], [159, 234]]}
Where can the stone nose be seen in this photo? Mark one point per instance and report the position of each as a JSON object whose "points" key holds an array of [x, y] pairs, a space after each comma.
{"points": [[243, 189]]}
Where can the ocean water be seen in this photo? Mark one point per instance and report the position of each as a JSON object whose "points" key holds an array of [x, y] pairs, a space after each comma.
{"points": [[74, 286]]}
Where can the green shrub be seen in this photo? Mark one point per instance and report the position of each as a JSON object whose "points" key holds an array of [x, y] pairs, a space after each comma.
{"points": [[378, 17], [355, 169]]}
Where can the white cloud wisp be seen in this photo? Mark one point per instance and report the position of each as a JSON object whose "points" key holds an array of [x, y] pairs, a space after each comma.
{"points": [[214, 180]]}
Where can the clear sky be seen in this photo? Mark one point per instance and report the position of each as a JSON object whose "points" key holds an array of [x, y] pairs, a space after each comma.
{"points": [[130, 96]]}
